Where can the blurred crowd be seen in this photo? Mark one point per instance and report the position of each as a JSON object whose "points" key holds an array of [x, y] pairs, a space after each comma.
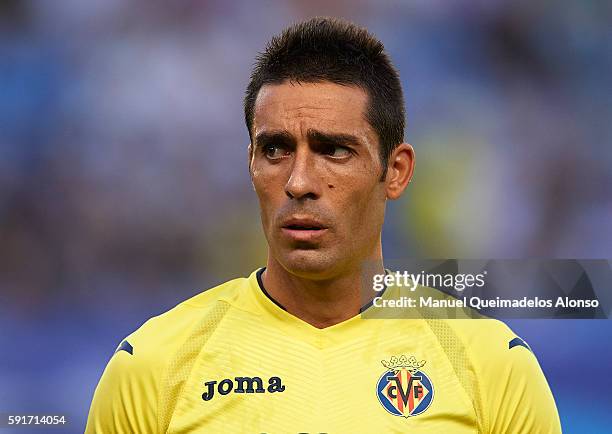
{"points": [[123, 170]]}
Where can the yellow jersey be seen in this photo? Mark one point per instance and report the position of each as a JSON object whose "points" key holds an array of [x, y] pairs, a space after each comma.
{"points": [[231, 360]]}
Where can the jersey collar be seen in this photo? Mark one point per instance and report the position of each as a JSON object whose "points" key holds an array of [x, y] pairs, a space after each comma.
{"points": [[291, 324]]}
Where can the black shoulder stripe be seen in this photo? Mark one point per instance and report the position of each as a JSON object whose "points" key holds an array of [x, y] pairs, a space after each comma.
{"points": [[518, 342], [125, 346]]}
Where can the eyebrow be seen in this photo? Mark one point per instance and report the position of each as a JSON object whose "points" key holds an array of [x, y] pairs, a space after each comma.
{"points": [[284, 137], [269, 137], [336, 139]]}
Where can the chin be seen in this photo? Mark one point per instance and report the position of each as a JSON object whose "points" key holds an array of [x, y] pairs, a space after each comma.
{"points": [[310, 264]]}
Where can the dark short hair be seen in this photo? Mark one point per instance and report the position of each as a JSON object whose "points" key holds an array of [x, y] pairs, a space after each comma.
{"points": [[334, 50]]}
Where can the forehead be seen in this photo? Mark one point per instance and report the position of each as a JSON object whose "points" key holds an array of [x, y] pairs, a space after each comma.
{"points": [[296, 107]]}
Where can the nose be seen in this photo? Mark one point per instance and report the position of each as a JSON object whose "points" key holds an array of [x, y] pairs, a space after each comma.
{"points": [[303, 182]]}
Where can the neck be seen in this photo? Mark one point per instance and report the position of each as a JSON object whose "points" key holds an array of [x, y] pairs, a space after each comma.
{"points": [[321, 303]]}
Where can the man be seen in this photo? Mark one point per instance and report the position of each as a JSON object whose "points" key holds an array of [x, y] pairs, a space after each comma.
{"points": [[286, 349]]}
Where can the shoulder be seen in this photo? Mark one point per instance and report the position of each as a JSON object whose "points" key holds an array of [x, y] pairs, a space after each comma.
{"points": [[482, 333], [162, 335], [484, 345], [486, 352], [491, 345], [503, 376], [152, 347], [136, 388]]}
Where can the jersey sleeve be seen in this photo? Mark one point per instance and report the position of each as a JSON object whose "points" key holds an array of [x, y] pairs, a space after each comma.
{"points": [[125, 400], [516, 395]]}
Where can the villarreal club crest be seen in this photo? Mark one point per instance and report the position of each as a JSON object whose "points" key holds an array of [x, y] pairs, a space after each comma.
{"points": [[404, 389]]}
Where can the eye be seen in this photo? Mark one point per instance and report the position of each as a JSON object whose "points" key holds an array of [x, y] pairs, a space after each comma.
{"points": [[336, 151], [275, 152]]}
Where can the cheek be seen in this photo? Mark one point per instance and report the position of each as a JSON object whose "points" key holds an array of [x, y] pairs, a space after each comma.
{"points": [[360, 205], [267, 194]]}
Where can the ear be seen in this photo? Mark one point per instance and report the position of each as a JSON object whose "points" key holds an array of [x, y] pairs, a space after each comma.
{"points": [[250, 148], [250, 153], [399, 170]]}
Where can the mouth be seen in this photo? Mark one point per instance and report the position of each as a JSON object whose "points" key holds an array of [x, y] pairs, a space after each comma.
{"points": [[305, 229]]}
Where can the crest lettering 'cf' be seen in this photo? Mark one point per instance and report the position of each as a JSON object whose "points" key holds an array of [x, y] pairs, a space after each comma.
{"points": [[404, 389], [407, 394]]}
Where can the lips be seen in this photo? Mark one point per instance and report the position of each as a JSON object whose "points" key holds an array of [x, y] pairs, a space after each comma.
{"points": [[306, 224], [303, 229]]}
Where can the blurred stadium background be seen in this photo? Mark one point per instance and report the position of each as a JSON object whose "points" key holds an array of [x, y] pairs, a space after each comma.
{"points": [[124, 185]]}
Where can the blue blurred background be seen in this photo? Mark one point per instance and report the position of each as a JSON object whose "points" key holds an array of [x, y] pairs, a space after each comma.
{"points": [[123, 170]]}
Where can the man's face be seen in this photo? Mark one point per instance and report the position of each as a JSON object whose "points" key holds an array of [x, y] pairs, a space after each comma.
{"points": [[316, 169]]}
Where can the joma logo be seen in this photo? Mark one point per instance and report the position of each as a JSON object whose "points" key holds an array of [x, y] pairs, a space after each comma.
{"points": [[242, 385]]}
